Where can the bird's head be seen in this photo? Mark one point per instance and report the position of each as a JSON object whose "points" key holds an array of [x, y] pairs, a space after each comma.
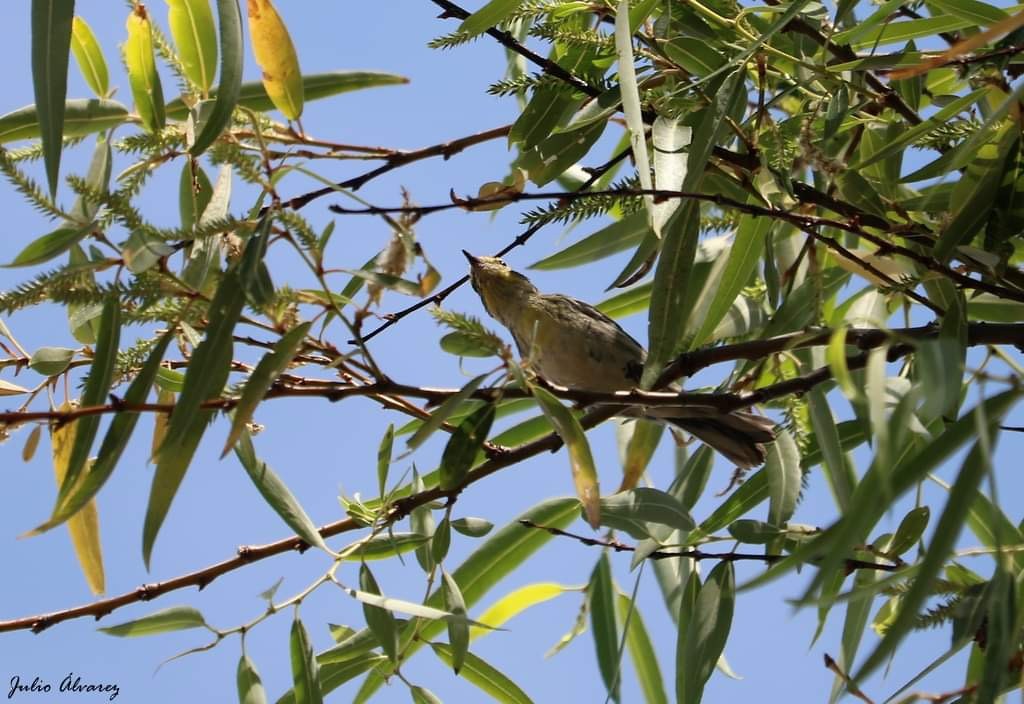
{"points": [[500, 288]]}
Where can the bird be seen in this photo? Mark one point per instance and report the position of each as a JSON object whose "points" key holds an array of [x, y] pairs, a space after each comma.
{"points": [[571, 343]]}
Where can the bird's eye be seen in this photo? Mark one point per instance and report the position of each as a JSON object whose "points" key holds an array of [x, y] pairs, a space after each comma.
{"points": [[502, 262]]}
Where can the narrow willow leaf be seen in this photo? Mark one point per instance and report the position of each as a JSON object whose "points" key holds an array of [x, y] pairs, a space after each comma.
{"points": [[632, 109], [231, 57], [458, 631], [51, 361], [195, 38], [267, 370], [97, 386], [830, 449], [51, 46], [383, 546], [684, 622], [207, 373], [176, 618], [491, 14], [835, 355], [584, 472], [28, 451], [1001, 637], [707, 631], [422, 695], [749, 494], [305, 673], [463, 447], [635, 511], [315, 86], [669, 140], [194, 193], [276, 493], [484, 676], [858, 611], [784, 475], [639, 451], [51, 245], [910, 530], [114, 442], [442, 412], [601, 596], [943, 540], [384, 458], [745, 253], [642, 652], [514, 603], [380, 621], [81, 117], [611, 239], [276, 57], [143, 78], [84, 527], [250, 686], [671, 297], [692, 476], [89, 57], [440, 541]]}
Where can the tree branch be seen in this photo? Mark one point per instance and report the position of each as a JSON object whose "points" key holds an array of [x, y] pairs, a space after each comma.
{"points": [[698, 555]]}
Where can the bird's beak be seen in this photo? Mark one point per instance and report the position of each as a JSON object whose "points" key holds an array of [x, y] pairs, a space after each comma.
{"points": [[473, 261]]}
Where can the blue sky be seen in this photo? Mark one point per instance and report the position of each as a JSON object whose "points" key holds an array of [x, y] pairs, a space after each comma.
{"points": [[322, 449]]}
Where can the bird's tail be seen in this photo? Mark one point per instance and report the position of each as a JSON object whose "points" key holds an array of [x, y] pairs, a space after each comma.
{"points": [[740, 436]]}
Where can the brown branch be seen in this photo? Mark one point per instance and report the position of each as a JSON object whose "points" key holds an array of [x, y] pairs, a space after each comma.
{"points": [[687, 364], [978, 334], [399, 159], [696, 554]]}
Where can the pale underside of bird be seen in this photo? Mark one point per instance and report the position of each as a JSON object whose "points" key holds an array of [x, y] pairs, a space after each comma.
{"points": [[570, 343]]}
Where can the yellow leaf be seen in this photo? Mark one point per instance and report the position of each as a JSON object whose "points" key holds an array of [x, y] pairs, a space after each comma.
{"points": [[31, 443], [9, 389], [141, 65], [276, 56], [84, 526]]}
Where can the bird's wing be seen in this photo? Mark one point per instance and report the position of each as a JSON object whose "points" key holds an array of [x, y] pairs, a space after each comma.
{"points": [[592, 312]]}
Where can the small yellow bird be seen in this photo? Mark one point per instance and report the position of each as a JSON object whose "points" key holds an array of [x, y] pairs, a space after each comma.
{"points": [[570, 343]]}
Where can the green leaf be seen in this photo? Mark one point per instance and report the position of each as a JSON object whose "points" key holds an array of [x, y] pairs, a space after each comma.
{"points": [[140, 63], [584, 472], [51, 45], [384, 458], [632, 109], [51, 361], [195, 38], [694, 55], [335, 674], [635, 510], [250, 686], [978, 13], [81, 117], [601, 597], [51, 245], [442, 412], [692, 476], [472, 527], [275, 493], [458, 631], [378, 619], [611, 239], [463, 446], [642, 652], [749, 494], [706, 633], [194, 193], [830, 448], [744, 255], [422, 695], [97, 386], [114, 441], [305, 672], [267, 370], [207, 373], [672, 298], [484, 676], [910, 530], [176, 618], [783, 472], [491, 14], [316, 86], [942, 542], [383, 546], [465, 345], [89, 57], [231, 59], [440, 541], [557, 153], [642, 442]]}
